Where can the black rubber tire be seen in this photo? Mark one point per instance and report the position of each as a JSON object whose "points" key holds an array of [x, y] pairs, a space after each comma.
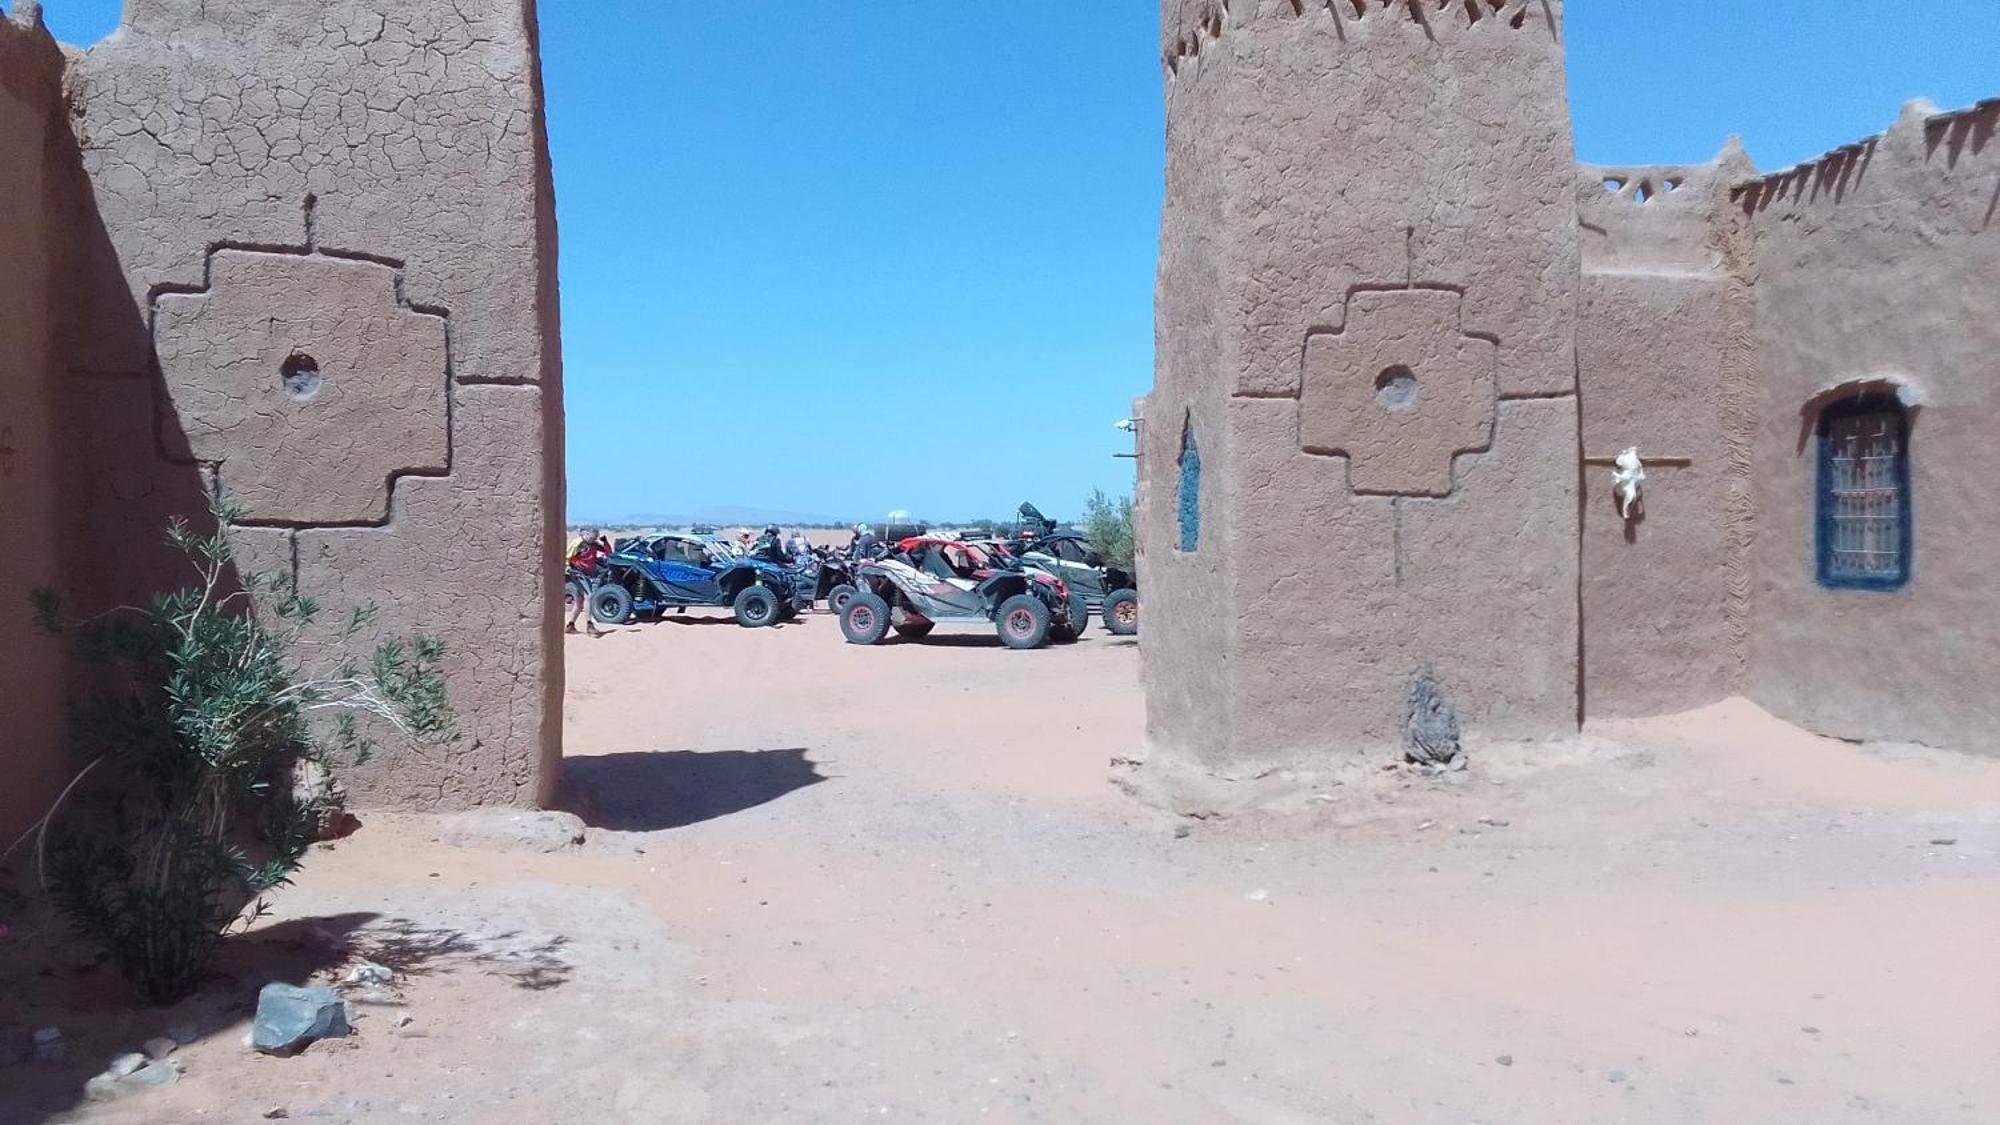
{"points": [[1079, 615], [575, 591], [1121, 612], [865, 619], [757, 607], [611, 605], [836, 598], [1023, 622], [914, 630]]}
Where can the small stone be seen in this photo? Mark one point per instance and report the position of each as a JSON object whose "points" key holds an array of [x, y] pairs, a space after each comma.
{"points": [[184, 1033], [105, 1088], [161, 1046], [49, 1046], [289, 1018], [125, 1064], [1182, 831], [1810, 1030], [368, 972], [1427, 825], [155, 1074], [378, 998], [1259, 895], [1945, 842], [1493, 822], [1505, 1060], [277, 1113], [1615, 1076]]}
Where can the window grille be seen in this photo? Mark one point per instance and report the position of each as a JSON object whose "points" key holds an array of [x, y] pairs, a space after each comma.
{"points": [[1864, 495], [1190, 493]]}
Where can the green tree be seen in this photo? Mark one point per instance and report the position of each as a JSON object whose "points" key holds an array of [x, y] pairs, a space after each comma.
{"points": [[200, 716], [1108, 524]]}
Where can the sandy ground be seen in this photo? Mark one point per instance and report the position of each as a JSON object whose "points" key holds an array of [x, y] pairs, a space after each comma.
{"points": [[833, 884]]}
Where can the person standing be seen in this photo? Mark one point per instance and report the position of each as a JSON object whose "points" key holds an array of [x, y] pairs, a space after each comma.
{"points": [[587, 560]]}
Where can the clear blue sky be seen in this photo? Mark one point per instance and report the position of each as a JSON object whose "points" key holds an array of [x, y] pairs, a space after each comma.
{"points": [[848, 257]]}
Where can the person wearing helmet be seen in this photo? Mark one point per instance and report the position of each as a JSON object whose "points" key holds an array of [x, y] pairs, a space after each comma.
{"points": [[865, 544], [771, 547]]}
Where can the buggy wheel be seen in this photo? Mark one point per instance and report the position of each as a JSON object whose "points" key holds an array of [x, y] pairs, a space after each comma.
{"points": [[1121, 612], [1023, 622], [611, 604], [575, 593], [1079, 615], [757, 607], [837, 598], [864, 620]]}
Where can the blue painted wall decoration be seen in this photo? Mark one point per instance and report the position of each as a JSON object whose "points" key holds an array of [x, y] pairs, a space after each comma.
{"points": [[1190, 494], [1864, 501]]}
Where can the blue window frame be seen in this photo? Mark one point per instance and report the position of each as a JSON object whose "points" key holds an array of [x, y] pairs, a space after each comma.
{"points": [[1190, 493], [1864, 494]]}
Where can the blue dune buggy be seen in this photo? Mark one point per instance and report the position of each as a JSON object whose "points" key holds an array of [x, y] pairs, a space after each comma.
{"points": [[646, 576]]}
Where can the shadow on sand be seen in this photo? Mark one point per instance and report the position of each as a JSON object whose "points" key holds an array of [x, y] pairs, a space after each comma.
{"points": [[676, 788]]}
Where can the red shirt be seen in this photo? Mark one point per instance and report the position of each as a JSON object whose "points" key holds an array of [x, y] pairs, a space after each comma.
{"points": [[588, 556]]}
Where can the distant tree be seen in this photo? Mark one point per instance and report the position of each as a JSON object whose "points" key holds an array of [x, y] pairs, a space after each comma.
{"points": [[1108, 524]]}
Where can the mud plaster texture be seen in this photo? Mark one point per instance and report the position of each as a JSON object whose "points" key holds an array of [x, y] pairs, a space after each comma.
{"points": [[314, 269], [1340, 292], [1376, 352], [32, 453], [1881, 264]]}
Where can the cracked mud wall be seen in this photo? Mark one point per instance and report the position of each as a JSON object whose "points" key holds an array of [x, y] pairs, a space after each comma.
{"points": [[1879, 264], [1367, 302], [318, 273], [33, 456]]}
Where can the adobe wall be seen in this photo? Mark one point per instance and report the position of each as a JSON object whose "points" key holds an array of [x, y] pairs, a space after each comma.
{"points": [[1879, 264], [33, 454], [1666, 363], [319, 274], [1190, 643], [1362, 196]]}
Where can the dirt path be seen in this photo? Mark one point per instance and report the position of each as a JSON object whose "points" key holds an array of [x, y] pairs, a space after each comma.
{"points": [[827, 884]]}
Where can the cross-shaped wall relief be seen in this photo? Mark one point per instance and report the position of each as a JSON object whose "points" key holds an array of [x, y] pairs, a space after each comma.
{"points": [[308, 381], [1400, 391]]}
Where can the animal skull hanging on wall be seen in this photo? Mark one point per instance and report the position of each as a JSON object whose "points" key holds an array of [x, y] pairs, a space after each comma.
{"points": [[1626, 480]]}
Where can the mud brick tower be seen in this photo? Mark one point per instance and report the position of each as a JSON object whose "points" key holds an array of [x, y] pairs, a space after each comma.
{"points": [[1359, 456], [301, 253]]}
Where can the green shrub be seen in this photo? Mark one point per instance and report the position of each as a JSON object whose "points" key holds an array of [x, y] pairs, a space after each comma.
{"points": [[1107, 523], [200, 711]]}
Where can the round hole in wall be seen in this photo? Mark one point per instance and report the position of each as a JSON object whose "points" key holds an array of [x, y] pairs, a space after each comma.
{"points": [[1396, 389], [301, 375]]}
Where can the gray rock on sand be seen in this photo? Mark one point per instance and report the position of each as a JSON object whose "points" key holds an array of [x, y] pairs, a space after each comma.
{"points": [[154, 1074], [512, 829], [125, 1064], [118, 1082], [290, 1018]]}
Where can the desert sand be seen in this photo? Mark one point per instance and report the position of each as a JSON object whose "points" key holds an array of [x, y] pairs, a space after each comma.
{"points": [[822, 883]]}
